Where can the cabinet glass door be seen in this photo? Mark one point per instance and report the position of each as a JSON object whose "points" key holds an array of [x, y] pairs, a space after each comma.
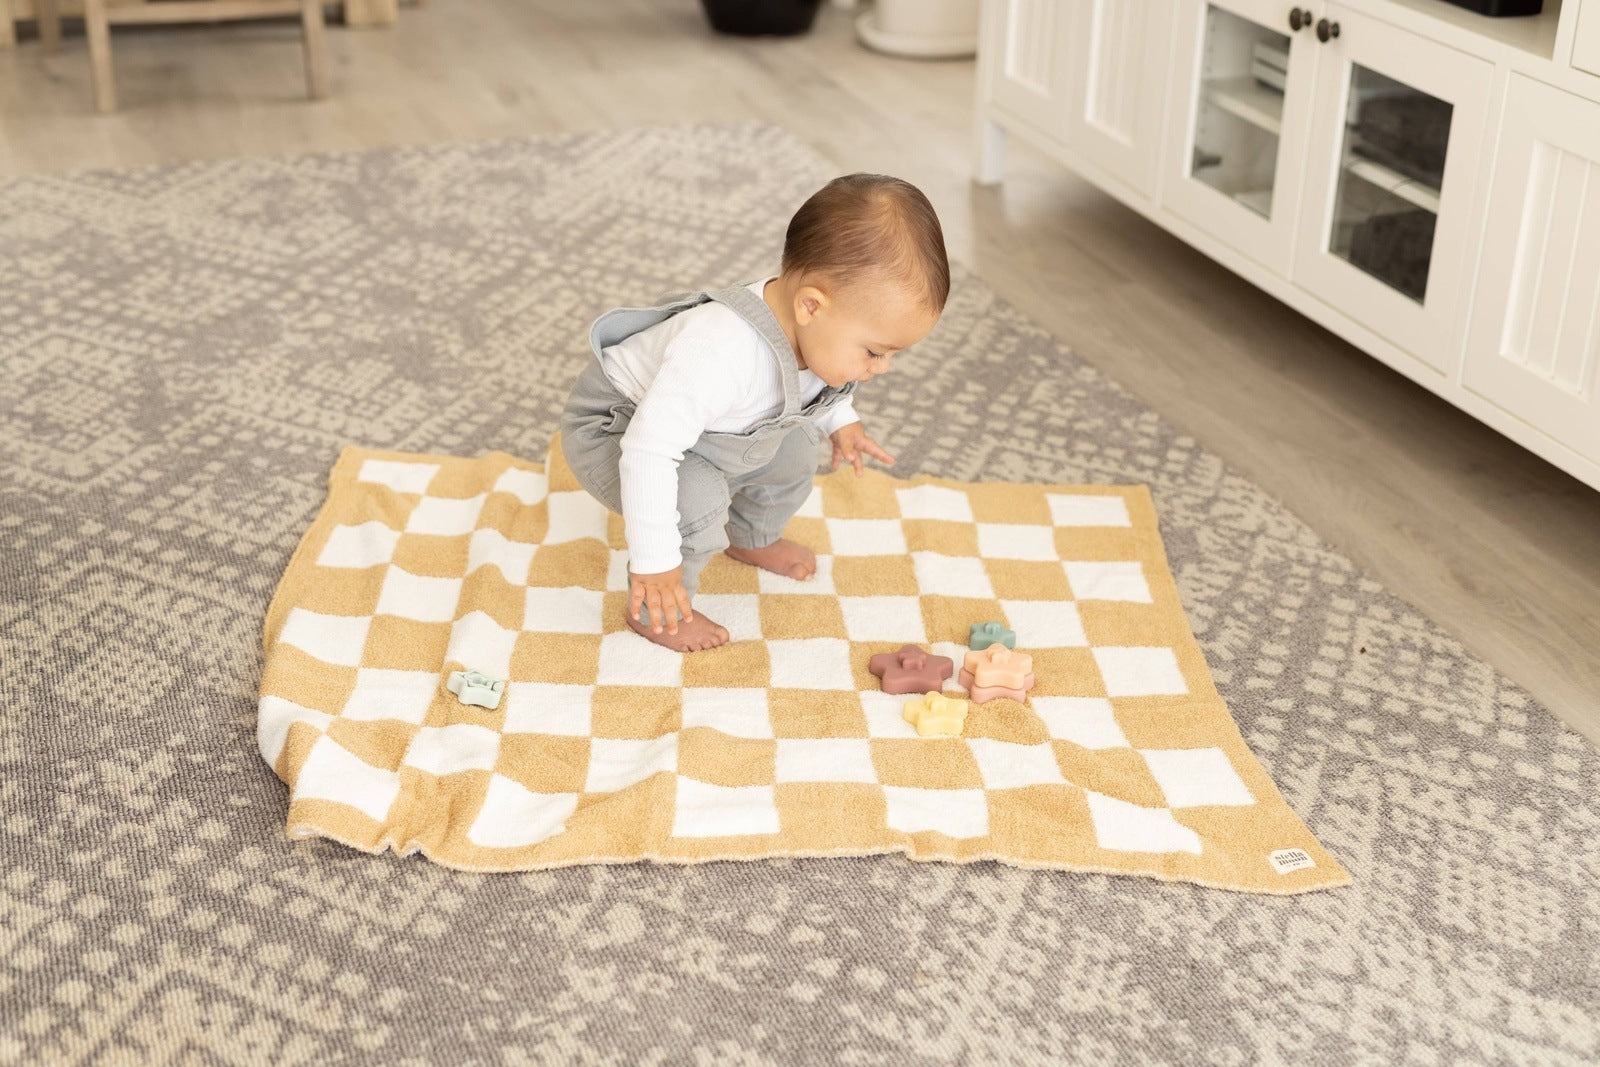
{"points": [[1243, 78], [1239, 115], [1391, 168], [1392, 163]]}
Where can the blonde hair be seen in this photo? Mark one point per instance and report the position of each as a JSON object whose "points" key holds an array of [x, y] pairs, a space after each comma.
{"points": [[862, 225]]}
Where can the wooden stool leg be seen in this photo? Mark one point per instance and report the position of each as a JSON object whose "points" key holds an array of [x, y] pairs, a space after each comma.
{"points": [[98, 30], [49, 19], [316, 48]]}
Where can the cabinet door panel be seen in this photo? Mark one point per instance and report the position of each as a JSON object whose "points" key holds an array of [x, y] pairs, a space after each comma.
{"points": [[1118, 76], [1586, 44], [1030, 72], [1534, 346], [1392, 166], [1241, 98]]}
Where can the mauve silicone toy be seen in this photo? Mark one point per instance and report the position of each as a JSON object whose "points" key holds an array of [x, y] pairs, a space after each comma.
{"points": [[911, 670]]}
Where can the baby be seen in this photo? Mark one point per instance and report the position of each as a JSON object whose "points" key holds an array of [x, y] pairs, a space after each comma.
{"points": [[700, 419]]}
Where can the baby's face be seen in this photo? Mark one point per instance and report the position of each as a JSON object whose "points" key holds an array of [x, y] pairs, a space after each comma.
{"points": [[854, 334]]}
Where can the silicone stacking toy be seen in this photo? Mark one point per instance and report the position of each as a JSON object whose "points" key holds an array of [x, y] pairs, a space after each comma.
{"points": [[936, 715], [480, 690], [997, 672], [984, 634], [911, 670]]}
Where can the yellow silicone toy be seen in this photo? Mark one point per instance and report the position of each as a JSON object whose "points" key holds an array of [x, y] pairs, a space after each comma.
{"points": [[936, 715]]}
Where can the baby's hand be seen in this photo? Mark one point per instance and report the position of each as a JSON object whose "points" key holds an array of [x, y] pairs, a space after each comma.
{"points": [[851, 442], [663, 596]]}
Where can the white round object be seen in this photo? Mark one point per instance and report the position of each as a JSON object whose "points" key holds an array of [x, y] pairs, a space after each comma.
{"points": [[925, 29]]}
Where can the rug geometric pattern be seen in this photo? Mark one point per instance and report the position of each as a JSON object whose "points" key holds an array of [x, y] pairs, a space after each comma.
{"points": [[184, 352]]}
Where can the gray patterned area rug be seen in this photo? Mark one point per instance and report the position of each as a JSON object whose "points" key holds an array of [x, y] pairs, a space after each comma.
{"points": [[183, 352]]}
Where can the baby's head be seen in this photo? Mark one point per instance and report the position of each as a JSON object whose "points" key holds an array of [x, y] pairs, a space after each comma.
{"points": [[865, 270]]}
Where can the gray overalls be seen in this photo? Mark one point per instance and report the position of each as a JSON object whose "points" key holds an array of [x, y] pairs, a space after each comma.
{"points": [[733, 488]]}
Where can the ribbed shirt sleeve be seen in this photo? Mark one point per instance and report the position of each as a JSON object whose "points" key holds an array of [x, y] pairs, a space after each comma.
{"points": [[840, 415], [692, 390]]}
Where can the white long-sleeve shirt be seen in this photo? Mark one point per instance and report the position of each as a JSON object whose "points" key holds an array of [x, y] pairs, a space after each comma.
{"points": [[703, 369]]}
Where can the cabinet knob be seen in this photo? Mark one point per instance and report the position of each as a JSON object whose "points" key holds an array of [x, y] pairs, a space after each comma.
{"points": [[1299, 20], [1327, 30]]}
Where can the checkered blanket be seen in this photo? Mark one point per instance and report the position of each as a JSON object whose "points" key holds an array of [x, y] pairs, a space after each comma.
{"points": [[606, 748]]}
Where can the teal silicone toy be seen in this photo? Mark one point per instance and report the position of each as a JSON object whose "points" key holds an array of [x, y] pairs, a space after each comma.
{"points": [[470, 687], [984, 634]]}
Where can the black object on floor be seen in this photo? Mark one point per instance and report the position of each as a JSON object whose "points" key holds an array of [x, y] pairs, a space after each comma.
{"points": [[754, 18]]}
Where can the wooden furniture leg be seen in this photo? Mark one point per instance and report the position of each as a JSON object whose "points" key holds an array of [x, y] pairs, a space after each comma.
{"points": [[316, 48], [98, 29], [49, 19], [100, 15]]}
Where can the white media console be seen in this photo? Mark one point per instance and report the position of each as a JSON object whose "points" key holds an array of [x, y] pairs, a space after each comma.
{"points": [[1422, 180]]}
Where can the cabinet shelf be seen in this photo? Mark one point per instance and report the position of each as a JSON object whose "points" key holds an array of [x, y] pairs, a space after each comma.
{"points": [[1257, 200], [1460, 27], [1392, 181], [1248, 99]]}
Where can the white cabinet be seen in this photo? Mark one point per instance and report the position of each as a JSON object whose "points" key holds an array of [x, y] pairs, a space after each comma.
{"points": [[1404, 172], [1387, 219], [1534, 347], [1086, 79]]}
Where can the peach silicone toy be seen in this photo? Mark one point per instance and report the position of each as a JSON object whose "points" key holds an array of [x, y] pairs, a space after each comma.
{"points": [[911, 670], [936, 715], [996, 672], [999, 665], [982, 694]]}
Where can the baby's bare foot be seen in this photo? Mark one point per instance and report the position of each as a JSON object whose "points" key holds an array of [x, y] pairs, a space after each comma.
{"points": [[781, 557], [692, 636]]}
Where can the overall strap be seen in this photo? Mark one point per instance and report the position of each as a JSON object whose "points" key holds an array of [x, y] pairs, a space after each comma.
{"points": [[619, 324], [753, 309]]}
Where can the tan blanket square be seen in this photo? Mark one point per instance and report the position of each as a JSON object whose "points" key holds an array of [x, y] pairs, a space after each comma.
{"points": [[605, 748]]}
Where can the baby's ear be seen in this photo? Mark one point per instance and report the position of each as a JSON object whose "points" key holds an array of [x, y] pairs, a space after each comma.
{"points": [[808, 301]]}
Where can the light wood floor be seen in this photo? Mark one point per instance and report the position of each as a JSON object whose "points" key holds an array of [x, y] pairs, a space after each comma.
{"points": [[1497, 546]]}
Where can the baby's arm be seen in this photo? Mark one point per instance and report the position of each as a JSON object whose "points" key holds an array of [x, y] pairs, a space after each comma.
{"points": [[841, 415], [691, 390], [851, 444], [850, 440]]}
